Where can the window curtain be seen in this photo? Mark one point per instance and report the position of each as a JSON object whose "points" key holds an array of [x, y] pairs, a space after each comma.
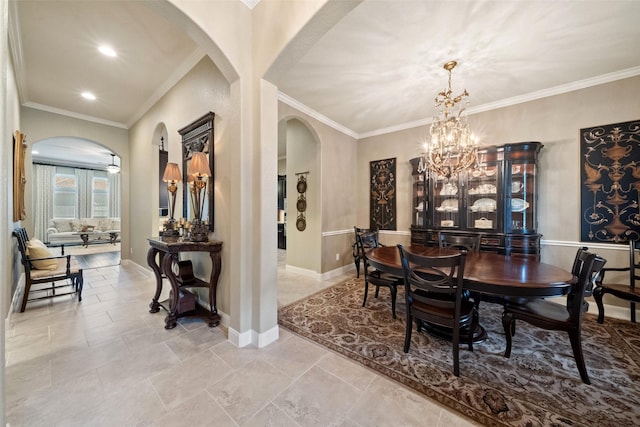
{"points": [[84, 181], [42, 204], [114, 195]]}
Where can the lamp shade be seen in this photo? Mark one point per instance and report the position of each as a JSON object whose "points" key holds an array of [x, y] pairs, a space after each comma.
{"points": [[199, 166], [172, 173]]}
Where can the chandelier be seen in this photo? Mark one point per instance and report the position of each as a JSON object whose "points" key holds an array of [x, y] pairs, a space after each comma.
{"points": [[452, 148]]}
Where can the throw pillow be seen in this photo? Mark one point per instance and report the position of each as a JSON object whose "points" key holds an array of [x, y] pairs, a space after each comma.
{"points": [[37, 249], [115, 224], [62, 225], [104, 224], [76, 225]]}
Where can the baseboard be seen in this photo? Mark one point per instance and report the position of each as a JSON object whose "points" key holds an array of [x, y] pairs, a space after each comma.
{"points": [[252, 337], [141, 269], [321, 276], [303, 272], [340, 271]]}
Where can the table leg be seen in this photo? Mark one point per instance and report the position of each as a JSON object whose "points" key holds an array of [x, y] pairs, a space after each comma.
{"points": [[113, 237], [170, 321], [154, 307], [85, 240], [216, 264]]}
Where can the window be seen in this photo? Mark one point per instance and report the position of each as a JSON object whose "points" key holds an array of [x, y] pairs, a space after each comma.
{"points": [[65, 197], [100, 197]]}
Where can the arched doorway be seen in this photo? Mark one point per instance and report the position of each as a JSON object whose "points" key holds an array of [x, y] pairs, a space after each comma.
{"points": [[76, 196]]}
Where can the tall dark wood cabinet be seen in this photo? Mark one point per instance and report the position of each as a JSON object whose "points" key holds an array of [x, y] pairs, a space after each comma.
{"points": [[497, 198]]}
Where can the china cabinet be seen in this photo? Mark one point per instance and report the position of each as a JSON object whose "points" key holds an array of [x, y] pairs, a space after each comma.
{"points": [[497, 198]]}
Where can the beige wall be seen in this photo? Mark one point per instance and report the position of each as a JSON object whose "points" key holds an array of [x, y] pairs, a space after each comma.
{"points": [[9, 123], [203, 89], [303, 152], [337, 156]]}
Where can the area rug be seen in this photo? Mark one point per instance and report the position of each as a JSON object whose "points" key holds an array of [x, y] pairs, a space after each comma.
{"points": [[539, 385]]}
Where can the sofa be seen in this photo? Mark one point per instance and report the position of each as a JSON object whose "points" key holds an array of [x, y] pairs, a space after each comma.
{"points": [[62, 230]]}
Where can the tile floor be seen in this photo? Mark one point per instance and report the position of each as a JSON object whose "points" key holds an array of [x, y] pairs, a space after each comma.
{"points": [[108, 362]]}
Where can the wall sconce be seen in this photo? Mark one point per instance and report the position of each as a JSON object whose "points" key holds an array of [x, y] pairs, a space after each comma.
{"points": [[198, 174], [172, 177]]}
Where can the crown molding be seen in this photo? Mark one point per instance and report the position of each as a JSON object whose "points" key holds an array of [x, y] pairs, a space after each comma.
{"points": [[67, 113], [180, 71], [17, 55], [314, 114], [557, 90]]}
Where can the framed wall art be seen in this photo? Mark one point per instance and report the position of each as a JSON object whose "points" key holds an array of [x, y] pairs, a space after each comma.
{"points": [[382, 194], [19, 178], [610, 183]]}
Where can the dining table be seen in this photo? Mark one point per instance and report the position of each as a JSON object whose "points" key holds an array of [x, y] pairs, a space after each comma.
{"points": [[489, 275]]}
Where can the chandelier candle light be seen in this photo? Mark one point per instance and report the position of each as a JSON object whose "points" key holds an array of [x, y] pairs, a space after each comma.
{"points": [[453, 147], [198, 175], [172, 177]]}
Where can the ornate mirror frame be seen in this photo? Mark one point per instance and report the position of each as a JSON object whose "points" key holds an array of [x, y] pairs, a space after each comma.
{"points": [[198, 137]]}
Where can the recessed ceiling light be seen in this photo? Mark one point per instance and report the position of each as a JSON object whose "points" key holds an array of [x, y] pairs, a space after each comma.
{"points": [[107, 50], [35, 152], [89, 96]]}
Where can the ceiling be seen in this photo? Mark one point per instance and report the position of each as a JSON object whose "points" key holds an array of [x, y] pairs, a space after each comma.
{"points": [[377, 70]]}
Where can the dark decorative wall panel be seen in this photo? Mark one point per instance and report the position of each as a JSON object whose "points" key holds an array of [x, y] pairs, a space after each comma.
{"points": [[610, 177], [382, 207]]}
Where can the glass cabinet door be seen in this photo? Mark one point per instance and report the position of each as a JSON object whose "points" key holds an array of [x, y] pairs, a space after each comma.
{"points": [[420, 189], [521, 187], [447, 197], [482, 197], [522, 190], [420, 193]]}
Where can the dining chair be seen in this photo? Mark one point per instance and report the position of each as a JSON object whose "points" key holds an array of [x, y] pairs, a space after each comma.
{"points": [[625, 291], [374, 272], [433, 295], [552, 316], [469, 242], [357, 254]]}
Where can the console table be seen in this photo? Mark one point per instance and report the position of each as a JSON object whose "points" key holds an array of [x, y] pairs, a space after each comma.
{"points": [[169, 250]]}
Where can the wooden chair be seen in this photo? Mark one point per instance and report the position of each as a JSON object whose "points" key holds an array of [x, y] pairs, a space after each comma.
{"points": [[376, 276], [357, 254], [552, 316], [469, 242], [436, 297], [626, 291], [65, 270]]}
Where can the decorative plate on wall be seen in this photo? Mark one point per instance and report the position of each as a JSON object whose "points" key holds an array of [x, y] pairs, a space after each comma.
{"points": [[301, 204], [301, 223], [302, 184]]}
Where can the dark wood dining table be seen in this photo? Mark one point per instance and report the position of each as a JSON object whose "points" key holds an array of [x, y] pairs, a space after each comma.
{"points": [[489, 274]]}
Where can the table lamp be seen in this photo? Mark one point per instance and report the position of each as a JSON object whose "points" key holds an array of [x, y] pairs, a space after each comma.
{"points": [[172, 177], [198, 174]]}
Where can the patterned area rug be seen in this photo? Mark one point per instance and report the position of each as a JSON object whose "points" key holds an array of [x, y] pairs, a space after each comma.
{"points": [[539, 385]]}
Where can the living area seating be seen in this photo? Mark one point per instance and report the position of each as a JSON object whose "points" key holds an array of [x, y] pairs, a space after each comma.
{"points": [[65, 230], [552, 316], [40, 267], [625, 291]]}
